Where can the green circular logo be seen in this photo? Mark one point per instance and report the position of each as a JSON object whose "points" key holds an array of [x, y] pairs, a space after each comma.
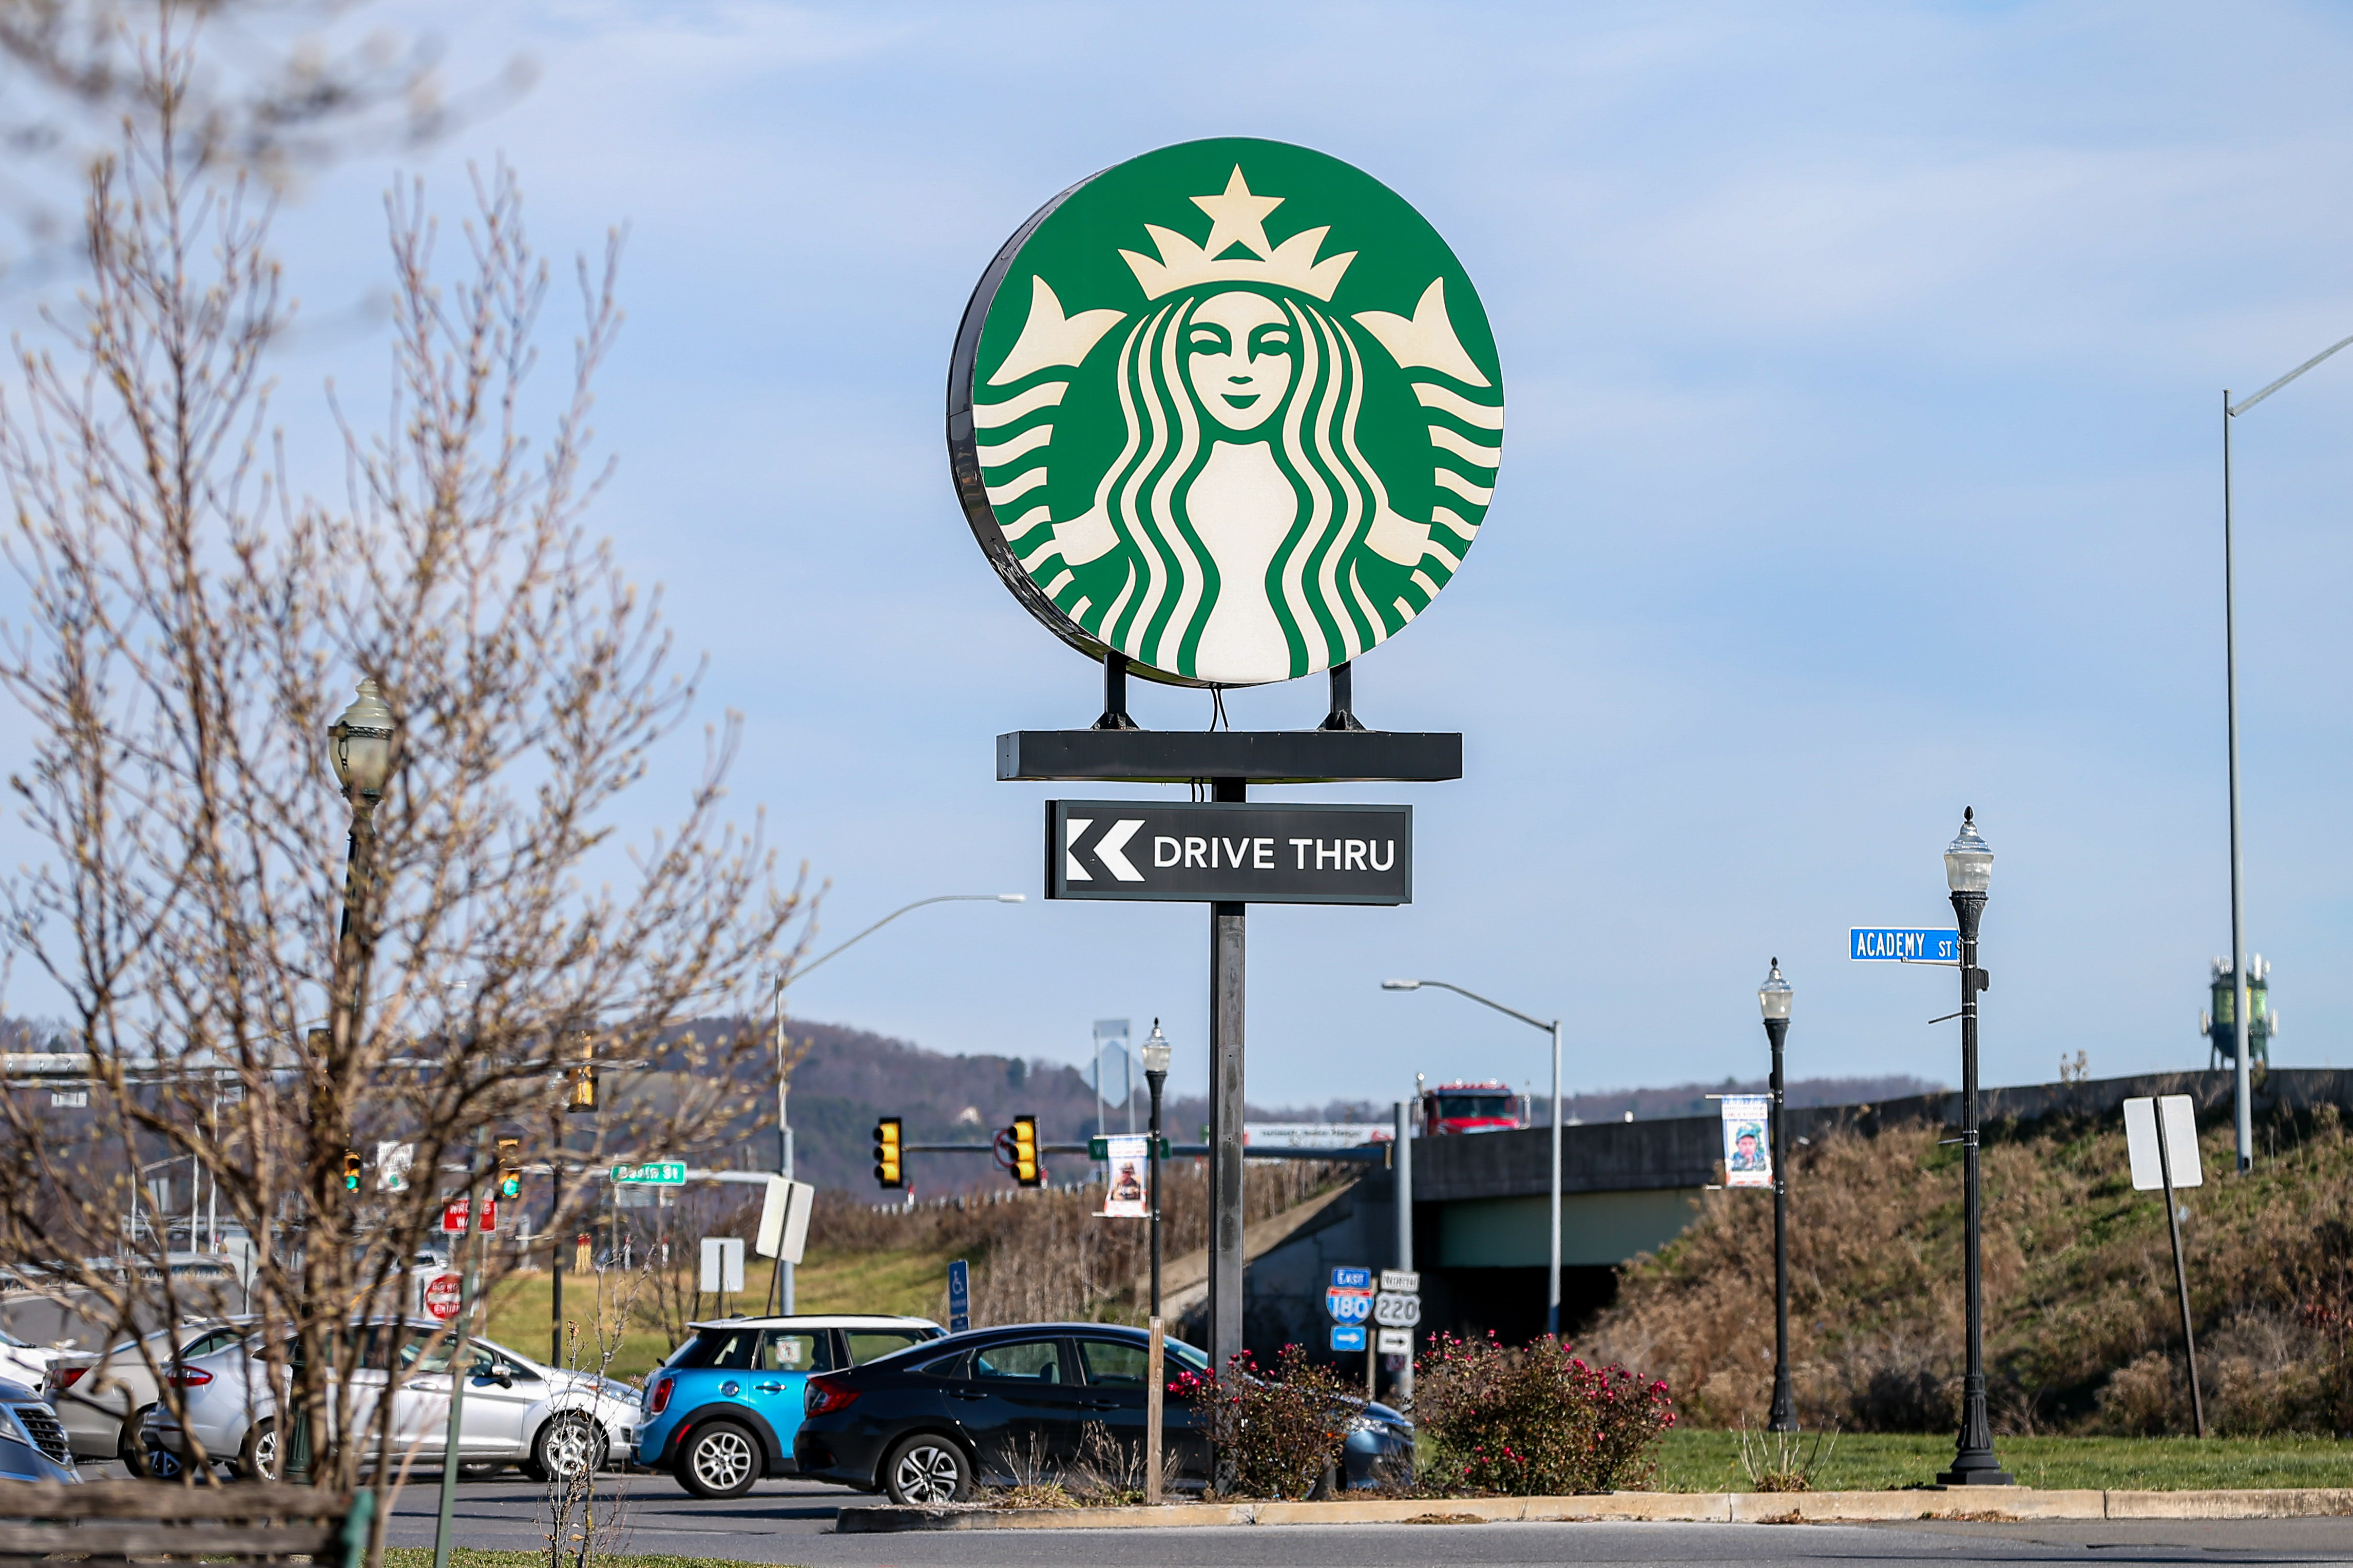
{"points": [[1231, 409]]}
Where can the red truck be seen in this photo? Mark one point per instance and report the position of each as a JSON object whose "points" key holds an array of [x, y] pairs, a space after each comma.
{"points": [[1489, 1107]]}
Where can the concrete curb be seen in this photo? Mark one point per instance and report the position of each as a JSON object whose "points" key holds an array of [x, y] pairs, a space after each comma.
{"points": [[1992, 1504]]}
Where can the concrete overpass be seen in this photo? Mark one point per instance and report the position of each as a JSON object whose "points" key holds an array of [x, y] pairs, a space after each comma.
{"points": [[1629, 1188]]}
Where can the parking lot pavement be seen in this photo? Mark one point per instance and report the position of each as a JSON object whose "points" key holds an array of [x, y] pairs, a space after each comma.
{"points": [[791, 1522]]}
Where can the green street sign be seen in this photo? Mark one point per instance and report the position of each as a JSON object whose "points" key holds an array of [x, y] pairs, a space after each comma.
{"points": [[1231, 409], [659, 1174], [1099, 1148]]}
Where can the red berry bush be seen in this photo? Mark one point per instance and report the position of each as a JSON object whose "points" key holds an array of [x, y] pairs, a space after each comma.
{"points": [[1273, 1435], [1535, 1421]]}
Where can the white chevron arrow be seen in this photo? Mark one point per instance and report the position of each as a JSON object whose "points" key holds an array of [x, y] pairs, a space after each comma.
{"points": [[1072, 827], [1108, 849]]}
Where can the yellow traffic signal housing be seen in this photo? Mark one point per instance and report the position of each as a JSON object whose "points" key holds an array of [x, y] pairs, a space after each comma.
{"points": [[510, 1170], [888, 1171], [581, 1098], [1028, 1169], [351, 1171]]}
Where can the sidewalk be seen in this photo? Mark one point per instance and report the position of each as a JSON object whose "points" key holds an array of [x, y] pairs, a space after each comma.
{"points": [[1987, 1504]]}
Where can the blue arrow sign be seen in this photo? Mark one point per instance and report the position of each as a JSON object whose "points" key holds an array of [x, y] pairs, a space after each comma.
{"points": [[1894, 943], [1347, 1337]]}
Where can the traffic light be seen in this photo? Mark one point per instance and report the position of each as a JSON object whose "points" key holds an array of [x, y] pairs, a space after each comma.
{"points": [[351, 1171], [510, 1174], [581, 1100], [887, 1172], [1026, 1169]]}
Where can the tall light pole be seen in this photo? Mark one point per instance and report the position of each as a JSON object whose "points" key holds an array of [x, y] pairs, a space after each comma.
{"points": [[1551, 1303], [782, 1284], [2244, 1118], [1773, 997], [359, 745], [1968, 870], [1155, 1052]]}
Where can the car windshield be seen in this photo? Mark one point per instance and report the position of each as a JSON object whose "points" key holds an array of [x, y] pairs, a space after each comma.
{"points": [[1465, 1107]]}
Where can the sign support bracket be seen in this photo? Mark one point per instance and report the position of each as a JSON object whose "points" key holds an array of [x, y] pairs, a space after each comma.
{"points": [[1226, 936]]}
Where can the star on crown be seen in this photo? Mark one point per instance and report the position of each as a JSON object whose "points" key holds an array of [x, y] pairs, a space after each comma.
{"points": [[1237, 216]]}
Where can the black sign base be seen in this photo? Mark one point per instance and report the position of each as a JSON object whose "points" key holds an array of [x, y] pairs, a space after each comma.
{"points": [[1257, 756]]}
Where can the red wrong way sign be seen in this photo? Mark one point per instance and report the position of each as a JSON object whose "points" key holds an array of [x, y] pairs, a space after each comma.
{"points": [[441, 1297], [453, 1215]]}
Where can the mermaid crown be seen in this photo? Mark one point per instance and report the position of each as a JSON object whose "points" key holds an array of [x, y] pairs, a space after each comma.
{"points": [[1238, 216]]}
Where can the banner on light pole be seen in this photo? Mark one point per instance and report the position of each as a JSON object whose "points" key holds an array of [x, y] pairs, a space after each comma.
{"points": [[1747, 1140]]}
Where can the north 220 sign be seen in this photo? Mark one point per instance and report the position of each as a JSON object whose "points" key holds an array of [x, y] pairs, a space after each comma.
{"points": [[1236, 852]]}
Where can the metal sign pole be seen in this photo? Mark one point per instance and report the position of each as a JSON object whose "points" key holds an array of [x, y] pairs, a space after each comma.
{"points": [[1155, 1375], [1402, 1389], [2180, 1274], [1226, 1112]]}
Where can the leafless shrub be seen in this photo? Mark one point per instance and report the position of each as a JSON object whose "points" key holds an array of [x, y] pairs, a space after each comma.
{"points": [[1784, 1461], [245, 1006]]}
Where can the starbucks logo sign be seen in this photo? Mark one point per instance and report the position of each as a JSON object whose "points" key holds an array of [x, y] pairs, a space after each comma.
{"points": [[1231, 409]]}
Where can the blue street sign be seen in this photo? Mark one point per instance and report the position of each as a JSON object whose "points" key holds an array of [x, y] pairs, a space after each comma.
{"points": [[959, 1297], [1352, 1279], [1894, 942], [1349, 1336], [1348, 1306]]}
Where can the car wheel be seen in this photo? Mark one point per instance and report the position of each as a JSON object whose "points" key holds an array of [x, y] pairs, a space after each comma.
{"points": [[570, 1446], [256, 1456], [721, 1460], [153, 1463], [529, 1470], [925, 1470]]}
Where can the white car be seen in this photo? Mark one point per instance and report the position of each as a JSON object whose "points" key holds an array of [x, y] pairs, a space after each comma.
{"points": [[103, 1397], [21, 1362], [548, 1421]]}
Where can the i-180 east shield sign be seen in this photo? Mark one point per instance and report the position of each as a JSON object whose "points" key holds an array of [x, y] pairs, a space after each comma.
{"points": [[1231, 409]]}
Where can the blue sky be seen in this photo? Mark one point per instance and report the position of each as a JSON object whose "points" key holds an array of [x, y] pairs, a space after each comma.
{"points": [[1863, 366]]}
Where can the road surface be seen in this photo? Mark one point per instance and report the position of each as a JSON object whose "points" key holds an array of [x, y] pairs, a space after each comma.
{"points": [[791, 1522]]}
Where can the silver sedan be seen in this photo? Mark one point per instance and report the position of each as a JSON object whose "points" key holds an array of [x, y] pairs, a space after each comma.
{"points": [[545, 1420], [103, 1398]]}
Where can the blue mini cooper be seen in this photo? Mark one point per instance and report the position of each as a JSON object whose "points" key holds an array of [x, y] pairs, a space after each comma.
{"points": [[721, 1413]]}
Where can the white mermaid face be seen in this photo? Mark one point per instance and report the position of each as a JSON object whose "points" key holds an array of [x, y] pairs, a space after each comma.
{"points": [[1238, 355]]}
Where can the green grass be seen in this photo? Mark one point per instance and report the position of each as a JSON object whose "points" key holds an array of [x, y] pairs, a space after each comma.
{"points": [[471, 1557], [1693, 1460]]}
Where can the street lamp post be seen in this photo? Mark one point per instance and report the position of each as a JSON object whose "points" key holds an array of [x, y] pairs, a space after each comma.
{"points": [[2244, 1115], [781, 1282], [1156, 1053], [359, 745], [1968, 870], [1773, 997], [1552, 1305]]}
